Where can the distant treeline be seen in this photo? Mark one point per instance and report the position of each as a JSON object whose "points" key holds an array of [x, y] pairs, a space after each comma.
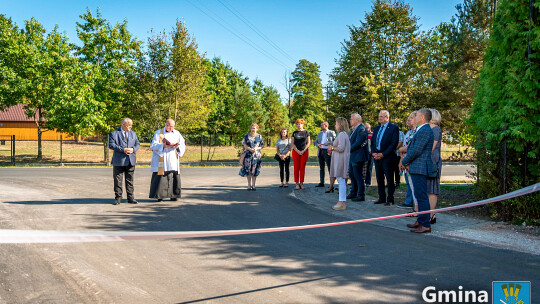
{"points": [[480, 70]]}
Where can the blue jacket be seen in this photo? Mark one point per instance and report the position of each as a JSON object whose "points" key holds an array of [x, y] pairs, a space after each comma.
{"points": [[389, 141], [359, 144], [117, 143], [419, 151]]}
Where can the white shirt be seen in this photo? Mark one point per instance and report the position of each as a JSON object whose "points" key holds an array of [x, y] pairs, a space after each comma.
{"points": [[170, 155], [324, 140]]}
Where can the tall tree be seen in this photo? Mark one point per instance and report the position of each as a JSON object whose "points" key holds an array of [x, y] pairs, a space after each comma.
{"points": [[112, 51], [219, 91], [307, 94], [171, 82], [467, 37], [506, 113], [70, 106], [375, 67], [12, 58], [188, 81]]}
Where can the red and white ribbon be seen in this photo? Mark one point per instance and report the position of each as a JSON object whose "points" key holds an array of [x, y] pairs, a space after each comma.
{"points": [[54, 236]]}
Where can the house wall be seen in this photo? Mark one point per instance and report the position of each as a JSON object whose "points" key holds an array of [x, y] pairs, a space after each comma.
{"points": [[28, 131]]}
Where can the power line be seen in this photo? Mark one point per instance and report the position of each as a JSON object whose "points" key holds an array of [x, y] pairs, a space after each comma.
{"points": [[231, 29], [239, 15]]}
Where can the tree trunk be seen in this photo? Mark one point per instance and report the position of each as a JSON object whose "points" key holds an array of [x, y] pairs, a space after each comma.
{"points": [[40, 150], [37, 120], [105, 147]]}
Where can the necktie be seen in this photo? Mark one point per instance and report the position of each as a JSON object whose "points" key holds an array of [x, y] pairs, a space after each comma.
{"points": [[126, 136], [379, 136]]}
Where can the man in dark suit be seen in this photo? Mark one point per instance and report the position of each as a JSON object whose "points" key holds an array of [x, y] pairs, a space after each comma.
{"points": [[383, 145], [125, 144], [358, 158], [416, 161]]}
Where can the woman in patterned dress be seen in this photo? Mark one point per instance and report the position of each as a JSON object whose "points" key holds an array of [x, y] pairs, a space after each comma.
{"points": [[253, 144]]}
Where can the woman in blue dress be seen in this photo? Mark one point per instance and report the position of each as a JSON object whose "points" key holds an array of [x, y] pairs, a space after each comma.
{"points": [[251, 166]]}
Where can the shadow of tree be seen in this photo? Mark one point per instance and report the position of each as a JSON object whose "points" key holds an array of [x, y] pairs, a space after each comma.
{"points": [[396, 264]]}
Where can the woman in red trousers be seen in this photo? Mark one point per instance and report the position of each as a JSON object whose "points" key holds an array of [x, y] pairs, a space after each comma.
{"points": [[300, 142]]}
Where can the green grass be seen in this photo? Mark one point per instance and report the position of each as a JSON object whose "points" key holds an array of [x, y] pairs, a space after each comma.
{"points": [[92, 152]]}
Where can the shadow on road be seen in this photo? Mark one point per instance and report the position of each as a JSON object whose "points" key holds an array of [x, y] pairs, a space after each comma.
{"points": [[394, 265]]}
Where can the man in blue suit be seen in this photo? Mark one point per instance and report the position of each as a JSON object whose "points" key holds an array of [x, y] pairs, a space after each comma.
{"points": [[358, 158], [125, 144], [383, 145], [416, 161]]}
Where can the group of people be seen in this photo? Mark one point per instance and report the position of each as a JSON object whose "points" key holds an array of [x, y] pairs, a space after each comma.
{"points": [[349, 152], [167, 146]]}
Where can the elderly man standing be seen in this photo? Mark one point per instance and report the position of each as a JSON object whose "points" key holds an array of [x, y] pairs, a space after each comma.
{"points": [[383, 145], [167, 146], [358, 158], [416, 161], [323, 139], [125, 144]]}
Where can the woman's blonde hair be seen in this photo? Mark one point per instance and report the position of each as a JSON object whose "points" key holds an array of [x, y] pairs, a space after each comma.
{"points": [[342, 125], [435, 117], [254, 124]]}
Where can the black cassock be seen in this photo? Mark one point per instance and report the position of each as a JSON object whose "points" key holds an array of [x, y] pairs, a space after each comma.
{"points": [[167, 185]]}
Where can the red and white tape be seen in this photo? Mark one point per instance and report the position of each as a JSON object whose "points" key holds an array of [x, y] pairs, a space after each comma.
{"points": [[55, 236]]}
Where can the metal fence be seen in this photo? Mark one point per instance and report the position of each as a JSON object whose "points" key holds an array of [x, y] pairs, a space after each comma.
{"points": [[7, 149]]}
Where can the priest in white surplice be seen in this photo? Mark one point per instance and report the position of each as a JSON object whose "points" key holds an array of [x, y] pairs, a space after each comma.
{"points": [[167, 146]]}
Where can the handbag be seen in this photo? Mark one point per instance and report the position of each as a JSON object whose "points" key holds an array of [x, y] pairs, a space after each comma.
{"points": [[433, 169], [242, 156], [276, 157]]}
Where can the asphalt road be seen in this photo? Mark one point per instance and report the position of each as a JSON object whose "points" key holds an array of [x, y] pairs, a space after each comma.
{"points": [[359, 263]]}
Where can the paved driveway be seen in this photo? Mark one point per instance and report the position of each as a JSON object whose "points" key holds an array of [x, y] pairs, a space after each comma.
{"points": [[359, 263]]}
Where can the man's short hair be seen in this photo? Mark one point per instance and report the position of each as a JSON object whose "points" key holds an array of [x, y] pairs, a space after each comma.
{"points": [[357, 116], [386, 113], [325, 123], [426, 113], [125, 120]]}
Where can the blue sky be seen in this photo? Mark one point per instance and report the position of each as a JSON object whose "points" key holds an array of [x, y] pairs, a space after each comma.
{"points": [[311, 30]]}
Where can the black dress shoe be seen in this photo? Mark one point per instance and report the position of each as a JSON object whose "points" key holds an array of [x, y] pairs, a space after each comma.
{"points": [[174, 199], [379, 201], [351, 196], [389, 203], [319, 185], [117, 201], [159, 199], [133, 202], [358, 199]]}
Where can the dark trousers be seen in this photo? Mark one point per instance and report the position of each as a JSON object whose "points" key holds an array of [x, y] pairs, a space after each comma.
{"points": [[383, 168], [419, 192], [284, 168], [369, 167], [128, 172], [356, 173], [323, 157]]}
